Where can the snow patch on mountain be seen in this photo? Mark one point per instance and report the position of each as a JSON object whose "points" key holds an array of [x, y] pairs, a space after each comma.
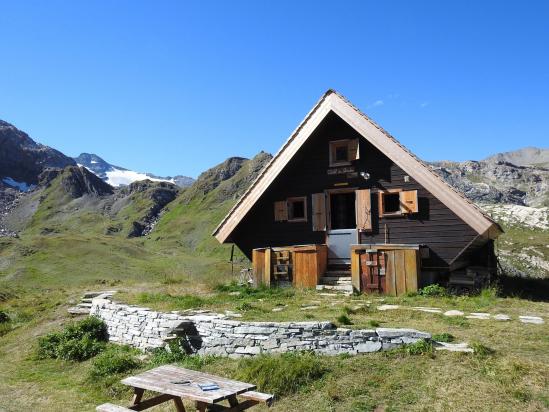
{"points": [[120, 177]]}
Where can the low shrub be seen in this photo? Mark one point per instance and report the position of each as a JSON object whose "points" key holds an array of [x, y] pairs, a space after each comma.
{"points": [[443, 337], [344, 320], [115, 359], [174, 353], [283, 374], [481, 350], [4, 318], [420, 347], [373, 323], [77, 341], [432, 290]]}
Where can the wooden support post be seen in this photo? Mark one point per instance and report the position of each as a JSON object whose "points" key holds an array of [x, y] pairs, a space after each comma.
{"points": [[355, 270], [137, 395]]}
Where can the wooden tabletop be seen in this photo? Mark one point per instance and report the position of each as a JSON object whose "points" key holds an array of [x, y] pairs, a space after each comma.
{"points": [[161, 380]]}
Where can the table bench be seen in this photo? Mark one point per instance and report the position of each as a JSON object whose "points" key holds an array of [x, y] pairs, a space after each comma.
{"points": [[166, 380]]}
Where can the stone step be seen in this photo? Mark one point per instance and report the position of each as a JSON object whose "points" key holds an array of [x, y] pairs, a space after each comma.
{"points": [[337, 273], [91, 295], [335, 281], [75, 310], [84, 305], [337, 278], [342, 288]]}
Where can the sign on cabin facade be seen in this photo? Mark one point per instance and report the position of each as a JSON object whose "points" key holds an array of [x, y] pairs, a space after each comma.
{"points": [[343, 194]]}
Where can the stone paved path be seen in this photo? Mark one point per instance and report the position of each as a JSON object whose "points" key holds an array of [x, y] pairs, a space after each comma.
{"points": [[536, 320]]}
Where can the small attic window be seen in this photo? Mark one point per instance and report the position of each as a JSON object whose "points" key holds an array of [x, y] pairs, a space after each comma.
{"points": [[342, 152], [297, 209]]}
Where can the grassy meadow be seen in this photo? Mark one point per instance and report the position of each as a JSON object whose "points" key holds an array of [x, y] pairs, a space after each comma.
{"points": [[68, 248]]}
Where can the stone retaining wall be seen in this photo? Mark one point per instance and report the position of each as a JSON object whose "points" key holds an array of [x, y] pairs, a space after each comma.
{"points": [[214, 334]]}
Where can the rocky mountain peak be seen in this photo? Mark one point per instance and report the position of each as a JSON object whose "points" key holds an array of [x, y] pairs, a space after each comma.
{"points": [[22, 159]]}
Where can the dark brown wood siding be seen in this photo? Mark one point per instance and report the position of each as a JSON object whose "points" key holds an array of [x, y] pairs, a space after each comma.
{"points": [[435, 225]]}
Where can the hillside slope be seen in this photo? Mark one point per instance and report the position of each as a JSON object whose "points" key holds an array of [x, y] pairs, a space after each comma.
{"points": [[78, 229]]}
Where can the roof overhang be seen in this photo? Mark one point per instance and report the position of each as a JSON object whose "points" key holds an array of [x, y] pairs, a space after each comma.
{"points": [[331, 101]]}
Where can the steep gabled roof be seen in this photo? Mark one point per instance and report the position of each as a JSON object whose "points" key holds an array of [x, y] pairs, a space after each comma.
{"points": [[332, 101]]}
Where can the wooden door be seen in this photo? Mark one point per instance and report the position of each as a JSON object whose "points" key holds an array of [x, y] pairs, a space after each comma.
{"points": [[402, 270]]}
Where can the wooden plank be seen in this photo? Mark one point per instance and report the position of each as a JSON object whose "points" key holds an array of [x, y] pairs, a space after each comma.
{"points": [[355, 270], [390, 278], [266, 398], [280, 211], [353, 150], [268, 267], [258, 265], [411, 269], [408, 201], [400, 272], [363, 210], [319, 211], [149, 403]]}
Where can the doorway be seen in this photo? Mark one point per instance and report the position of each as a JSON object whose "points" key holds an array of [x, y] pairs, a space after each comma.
{"points": [[342, 231]]}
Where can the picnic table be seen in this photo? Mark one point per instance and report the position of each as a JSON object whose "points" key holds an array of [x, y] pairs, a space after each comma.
{"points": [[175, 384]]}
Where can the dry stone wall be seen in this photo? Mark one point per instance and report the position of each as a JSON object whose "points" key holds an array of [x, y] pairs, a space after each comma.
{"points": [[214, 334]]}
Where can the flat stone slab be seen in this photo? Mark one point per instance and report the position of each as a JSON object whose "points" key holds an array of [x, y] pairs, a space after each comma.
{"points": [[453, 313], [278, 309], [453, 347], [478, 315], [388, 307], [532, 319], [427, 309], [397, 333], [502, 317]]}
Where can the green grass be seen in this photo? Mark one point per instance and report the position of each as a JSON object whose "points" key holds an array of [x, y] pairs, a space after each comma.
{"points": [[283, 374]]}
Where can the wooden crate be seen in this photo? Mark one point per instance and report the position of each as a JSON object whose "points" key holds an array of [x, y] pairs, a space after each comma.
{"points": [[302, 265]]}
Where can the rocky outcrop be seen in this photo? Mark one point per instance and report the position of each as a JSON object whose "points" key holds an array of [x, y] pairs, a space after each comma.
{"points": [[496, 181], [159, 193], [76, 181], [22, 159]]}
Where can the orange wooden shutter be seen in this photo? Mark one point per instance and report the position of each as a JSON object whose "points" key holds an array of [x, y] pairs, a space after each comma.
{"points": [[363, 210], [319, 212], [408, 201], [353, 152], [281, 211]]}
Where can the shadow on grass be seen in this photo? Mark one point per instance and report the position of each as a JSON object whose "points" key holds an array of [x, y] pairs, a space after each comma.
{"points": [[526, 288]]}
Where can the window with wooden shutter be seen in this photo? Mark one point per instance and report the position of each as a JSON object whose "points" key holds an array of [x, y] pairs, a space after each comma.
{"points": [[281, 211], [319, 212], [353, 151], [363, 210], [408, 201]]}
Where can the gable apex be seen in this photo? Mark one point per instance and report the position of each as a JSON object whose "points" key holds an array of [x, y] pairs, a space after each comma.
{"points": [[332, 101]]}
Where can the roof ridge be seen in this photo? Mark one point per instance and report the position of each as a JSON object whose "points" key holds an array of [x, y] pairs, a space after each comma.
{"points": [[385, 132]]}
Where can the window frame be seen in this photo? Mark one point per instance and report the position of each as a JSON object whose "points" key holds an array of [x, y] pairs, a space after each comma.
{"points": [[291, 209], [381, 204], [334, 144]]}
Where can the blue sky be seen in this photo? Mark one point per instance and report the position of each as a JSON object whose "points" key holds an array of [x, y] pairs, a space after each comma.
{"points": [[176, 87]]}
